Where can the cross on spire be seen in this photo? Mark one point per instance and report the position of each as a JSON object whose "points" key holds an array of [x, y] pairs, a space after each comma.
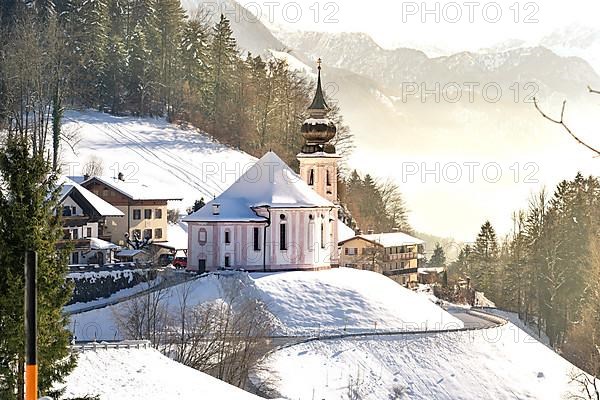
{"points": [[318, 106]]}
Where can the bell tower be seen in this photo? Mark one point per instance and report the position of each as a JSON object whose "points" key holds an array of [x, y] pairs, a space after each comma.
{"points": [[318, 158]]}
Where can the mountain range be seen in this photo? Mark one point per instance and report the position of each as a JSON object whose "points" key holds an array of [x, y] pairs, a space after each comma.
{"points": [[406, 108]]}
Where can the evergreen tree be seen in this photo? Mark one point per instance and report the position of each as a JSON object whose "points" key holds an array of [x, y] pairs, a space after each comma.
{"points": [[438, 258], [28, 221], [195, 66], [170, 18], [87, 25], [115, 74], [223, 56], [139, 82], [485, 260]]}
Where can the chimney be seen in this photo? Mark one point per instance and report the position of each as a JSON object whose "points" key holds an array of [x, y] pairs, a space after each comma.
{"points": [[395, 229], [216, 208], [370, 232]]}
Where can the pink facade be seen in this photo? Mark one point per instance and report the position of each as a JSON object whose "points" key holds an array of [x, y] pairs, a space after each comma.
{"points": [[287, 239]]}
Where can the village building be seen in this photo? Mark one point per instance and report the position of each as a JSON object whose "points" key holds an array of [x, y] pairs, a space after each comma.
{"points": [[395, 254], [84, 219], [272, 219], [144, 210]]}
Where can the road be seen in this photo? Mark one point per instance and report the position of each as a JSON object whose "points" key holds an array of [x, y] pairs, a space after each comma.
{"points": [[471, 319]]}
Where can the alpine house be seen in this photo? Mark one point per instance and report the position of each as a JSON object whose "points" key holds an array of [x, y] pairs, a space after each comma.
{"points": [[272, 219]]}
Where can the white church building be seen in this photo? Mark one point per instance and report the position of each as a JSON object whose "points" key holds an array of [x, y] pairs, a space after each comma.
{"points": [[272, 219]]}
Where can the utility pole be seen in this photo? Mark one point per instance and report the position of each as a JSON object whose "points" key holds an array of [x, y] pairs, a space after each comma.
{"points": [[31, 369]]}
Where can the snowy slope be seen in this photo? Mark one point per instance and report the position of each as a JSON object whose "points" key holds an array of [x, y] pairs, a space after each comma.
{"points": [[187, 162], [497, 363], [303, 303], [344, 297], [143, 374]]}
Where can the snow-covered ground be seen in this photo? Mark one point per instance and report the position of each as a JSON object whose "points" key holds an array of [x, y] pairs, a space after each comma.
{"points": [[304, 303], [496, 363], [143, 374], [151, 151]]}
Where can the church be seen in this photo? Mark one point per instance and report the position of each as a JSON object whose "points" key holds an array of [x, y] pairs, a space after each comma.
{"points": [[272, 219]]}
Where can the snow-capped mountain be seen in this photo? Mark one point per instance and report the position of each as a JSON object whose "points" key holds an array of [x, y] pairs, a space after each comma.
{"points": [[369, 82], [577, 41], [393, 68]]}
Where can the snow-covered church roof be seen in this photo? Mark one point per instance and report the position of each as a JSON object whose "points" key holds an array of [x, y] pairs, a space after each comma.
{"points": [[268, 183]]}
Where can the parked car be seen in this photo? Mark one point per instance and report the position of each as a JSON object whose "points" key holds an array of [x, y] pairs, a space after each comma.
{"points": [[180, 262]]}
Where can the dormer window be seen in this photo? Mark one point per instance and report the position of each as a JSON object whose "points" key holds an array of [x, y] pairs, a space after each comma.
{"points": [[311, 177], [216, 209]]}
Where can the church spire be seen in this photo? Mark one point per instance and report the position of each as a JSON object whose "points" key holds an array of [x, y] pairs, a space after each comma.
{"points": [[318, 130], [318, 106]]}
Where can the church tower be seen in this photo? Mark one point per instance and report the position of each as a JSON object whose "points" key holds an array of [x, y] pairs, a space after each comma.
{"points": [[318, 159]]}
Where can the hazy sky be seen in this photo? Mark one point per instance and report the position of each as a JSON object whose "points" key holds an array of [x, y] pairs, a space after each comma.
{"points": [[444, 208], [461, 25]]}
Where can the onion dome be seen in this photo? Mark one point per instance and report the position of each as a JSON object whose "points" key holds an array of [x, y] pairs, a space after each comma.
{"points": [[317, 130]]}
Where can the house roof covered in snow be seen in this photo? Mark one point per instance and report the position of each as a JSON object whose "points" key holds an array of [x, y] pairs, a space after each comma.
{"points": [[268, 183], [391, 239], [135, 190], [87, 200], [344, 231], [178, 236]]}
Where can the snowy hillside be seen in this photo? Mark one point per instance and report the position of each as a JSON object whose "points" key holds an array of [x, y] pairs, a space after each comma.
{"points": [[164, 156], [497, 363], [303, 303], [143, 374]]}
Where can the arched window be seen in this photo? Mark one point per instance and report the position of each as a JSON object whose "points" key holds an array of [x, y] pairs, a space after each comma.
{"points": [[202, 236], [311, 177], [282, 236], [311, 232]]}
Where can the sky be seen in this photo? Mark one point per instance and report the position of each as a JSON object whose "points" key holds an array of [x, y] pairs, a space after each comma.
{"points": [[445, 25], [442, 28]]}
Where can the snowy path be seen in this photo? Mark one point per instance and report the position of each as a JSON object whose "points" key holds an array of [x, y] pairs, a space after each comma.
{"points": [[493, 363]]}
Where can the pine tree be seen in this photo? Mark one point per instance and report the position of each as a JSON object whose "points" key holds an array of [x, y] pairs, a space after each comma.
{"points": [[113, 82], [87, 25], [438, 258], [170, 18], [223, 56], [139, 82], [28, 221], [485, 261], [195, 64]]}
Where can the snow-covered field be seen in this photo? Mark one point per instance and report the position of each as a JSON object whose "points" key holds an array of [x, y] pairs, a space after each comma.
{"points": [[143, 374], [303, 303], [496, 363], [186, 161]]}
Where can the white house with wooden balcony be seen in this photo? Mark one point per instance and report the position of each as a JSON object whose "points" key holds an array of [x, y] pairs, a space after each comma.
{"points": [[84, 221], [395, 254], [272, 219]]}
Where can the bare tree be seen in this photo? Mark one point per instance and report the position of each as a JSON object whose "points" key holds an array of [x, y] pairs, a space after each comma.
{"points": [[93, 167], [561, 121]]}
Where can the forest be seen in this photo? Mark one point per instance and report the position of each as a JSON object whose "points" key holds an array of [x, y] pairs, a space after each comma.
{"points": [[150, 58], [547, 269]]}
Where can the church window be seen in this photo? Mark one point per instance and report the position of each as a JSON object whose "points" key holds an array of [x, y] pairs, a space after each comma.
{"points": [[282, 236], [227, 237], [227, 261], [322, 235], [311, 177], [328, 178], [202, 236], [256, 238]]}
